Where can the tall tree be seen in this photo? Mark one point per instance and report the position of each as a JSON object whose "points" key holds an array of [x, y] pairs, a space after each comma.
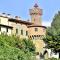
{"points": [[56, 21], [53, 34]]}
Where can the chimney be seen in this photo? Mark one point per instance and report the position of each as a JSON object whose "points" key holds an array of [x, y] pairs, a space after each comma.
{"points": [[17, 17], [4, 14], [9, 15], [28, 20]]}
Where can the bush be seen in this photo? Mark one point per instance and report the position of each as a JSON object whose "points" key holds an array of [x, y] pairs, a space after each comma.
{"points": [[13, 48], [52, 59]]}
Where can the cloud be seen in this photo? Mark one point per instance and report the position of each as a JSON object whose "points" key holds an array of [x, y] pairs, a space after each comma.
{"points": [[46, 23]]}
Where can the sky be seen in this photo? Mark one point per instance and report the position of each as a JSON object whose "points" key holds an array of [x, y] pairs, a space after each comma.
{"points": [[21, 8]]}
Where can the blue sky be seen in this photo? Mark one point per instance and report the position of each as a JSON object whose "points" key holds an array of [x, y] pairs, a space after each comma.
{"points": [[21, 8]]}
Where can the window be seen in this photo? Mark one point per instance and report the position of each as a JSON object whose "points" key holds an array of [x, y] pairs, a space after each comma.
{"points": [[44, 30], [36, 29], [0, 28], [7, 30], [32, 37], [35, 37], [26, 33], [21, 32], [16, 31]]}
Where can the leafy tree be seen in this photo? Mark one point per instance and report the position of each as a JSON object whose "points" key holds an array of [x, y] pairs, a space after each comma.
{"points": [[53, 34], [56, 21], [52, 39]]}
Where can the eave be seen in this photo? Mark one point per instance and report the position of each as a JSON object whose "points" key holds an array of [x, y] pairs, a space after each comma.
{"points": [[20, 21], [6, 26], [37, 26]]}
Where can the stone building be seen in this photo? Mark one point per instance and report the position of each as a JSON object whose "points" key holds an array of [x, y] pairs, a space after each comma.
{"points": [[36, 30], [19, 27], [5, 26], [25, 29]]}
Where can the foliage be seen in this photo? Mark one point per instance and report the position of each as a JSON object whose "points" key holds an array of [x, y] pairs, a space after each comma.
{"points": [[52, 39], [56, 21], [53, 34], [13, 48], [52, 59], [26, 45]]}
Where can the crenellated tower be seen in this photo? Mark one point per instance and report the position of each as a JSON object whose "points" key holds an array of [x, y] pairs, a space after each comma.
{"points": [[36, 14], [37, 31]]}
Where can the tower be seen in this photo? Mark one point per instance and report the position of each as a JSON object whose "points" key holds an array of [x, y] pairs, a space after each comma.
{"points": [[36, 14], [36, 31]]}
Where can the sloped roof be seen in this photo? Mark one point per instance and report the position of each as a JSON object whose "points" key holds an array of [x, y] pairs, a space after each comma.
{"points": [[20, 21]]}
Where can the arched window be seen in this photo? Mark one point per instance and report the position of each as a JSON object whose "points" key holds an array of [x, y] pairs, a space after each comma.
{"points": [[32, 37], [35, 37], [16, 31], [0, 28], [6, 29], [26, 33], [21, 32]]}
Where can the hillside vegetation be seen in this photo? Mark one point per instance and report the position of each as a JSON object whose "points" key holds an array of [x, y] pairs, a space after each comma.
{"points": [[13, 48]]}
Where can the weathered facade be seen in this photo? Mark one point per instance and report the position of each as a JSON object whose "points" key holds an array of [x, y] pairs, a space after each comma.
{"points": [[19, 27], [36, 30], [5, 26], [24, 29]]}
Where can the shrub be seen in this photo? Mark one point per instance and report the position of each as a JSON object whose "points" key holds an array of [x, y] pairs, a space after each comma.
{"points": [[52, 59], [13, 48]]}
